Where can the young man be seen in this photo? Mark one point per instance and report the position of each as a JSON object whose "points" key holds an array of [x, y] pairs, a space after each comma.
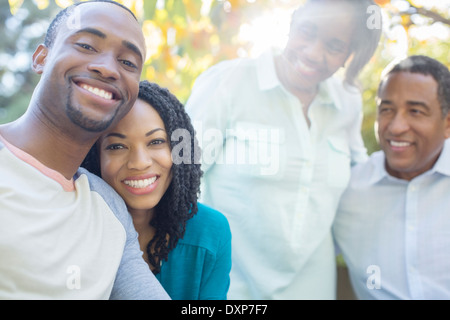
{"points": [[393, 222], [63, 233]]}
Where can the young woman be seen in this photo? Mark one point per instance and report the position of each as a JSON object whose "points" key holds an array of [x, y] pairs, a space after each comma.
{"points": [[186, 244]]}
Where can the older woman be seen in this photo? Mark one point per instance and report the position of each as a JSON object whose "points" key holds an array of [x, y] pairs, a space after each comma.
{"points": [[279, 134]]}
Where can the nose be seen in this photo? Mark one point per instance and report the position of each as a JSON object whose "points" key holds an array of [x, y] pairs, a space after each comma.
{"points": [[105, 65], [398, 124], [139, 159], [315, 51]]}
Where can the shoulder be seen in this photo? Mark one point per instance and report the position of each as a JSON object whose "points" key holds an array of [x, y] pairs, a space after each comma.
{"points": [[346, 95], [208, 228], [365, 175], [210, 216], [374, 162], [108, 194], [98, 185], [208, 220], [335, 83]]}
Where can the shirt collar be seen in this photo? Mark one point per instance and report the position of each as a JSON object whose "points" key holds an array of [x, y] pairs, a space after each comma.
{"points": [[379, 171], [441, 166], [267, 79], [267, 75]]}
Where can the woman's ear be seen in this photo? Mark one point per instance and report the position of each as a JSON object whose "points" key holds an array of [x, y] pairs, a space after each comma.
{"points": [[39, 59]]}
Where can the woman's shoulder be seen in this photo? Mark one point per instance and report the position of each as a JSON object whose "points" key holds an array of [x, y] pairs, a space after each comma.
{"points": [[211, 215], [208, 227]]}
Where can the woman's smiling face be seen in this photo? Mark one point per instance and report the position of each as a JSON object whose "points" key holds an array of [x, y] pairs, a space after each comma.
{"points": [[135, 157], [319, 43]]}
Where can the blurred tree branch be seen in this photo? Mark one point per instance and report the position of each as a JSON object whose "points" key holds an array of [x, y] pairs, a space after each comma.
{"points": [[431, 14]]}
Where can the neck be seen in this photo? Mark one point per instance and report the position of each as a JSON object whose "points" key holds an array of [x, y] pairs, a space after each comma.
{"points": [[146, 232], [61, 151], [141, 217]]}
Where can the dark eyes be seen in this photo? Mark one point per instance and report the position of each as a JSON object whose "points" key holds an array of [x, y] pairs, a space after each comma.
{"points": [[309, 33], [126, 63], [129, 64], [85, 46], [336, 47], [118, 146], [305, 32], [157, 142], [115, 147], [389, 110]]}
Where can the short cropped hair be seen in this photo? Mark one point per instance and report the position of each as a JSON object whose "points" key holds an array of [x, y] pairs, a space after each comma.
{"points": [[62, 16], [427, 66]]}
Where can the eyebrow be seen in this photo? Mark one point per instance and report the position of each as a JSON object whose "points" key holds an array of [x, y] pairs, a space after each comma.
{"points": [[93, 31], [114, 134], [153, 131], [133, 48], [100, 34], [418, 103], [122, 136], [409, 103]]}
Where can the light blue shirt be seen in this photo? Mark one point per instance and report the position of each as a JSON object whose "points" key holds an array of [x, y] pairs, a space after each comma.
{"points": [[199, 266], [395, 234], [277, 180]]}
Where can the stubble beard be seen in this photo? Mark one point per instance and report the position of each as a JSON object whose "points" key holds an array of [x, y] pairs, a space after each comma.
{"points": [[78, 118]]}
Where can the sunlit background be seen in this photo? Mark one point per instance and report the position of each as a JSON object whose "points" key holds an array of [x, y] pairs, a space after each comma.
{"points": [[184, 37]]}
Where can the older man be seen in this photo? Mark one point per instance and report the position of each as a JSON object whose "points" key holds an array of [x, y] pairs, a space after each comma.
{"points": [[393, 221]]}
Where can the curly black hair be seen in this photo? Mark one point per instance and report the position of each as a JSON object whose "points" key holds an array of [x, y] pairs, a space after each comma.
{"points": [[179, 203]]}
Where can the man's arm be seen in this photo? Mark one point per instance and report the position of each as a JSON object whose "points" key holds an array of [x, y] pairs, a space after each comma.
{"points": [[134, 279]]}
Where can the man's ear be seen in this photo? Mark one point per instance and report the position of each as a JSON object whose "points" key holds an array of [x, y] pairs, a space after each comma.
{"points": [[39, 58]]}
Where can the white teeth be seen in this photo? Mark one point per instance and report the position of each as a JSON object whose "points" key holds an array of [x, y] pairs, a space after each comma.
{"points": [[399, 144], [304, 67], [99, 92], [139, 184]]}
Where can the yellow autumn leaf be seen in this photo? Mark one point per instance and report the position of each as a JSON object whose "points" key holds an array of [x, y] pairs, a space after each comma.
{"points": [[15, 5], [42, 4], [154, 38], [193, 8], [234, 3], [416, 3], [150, 73], [64, 3]]}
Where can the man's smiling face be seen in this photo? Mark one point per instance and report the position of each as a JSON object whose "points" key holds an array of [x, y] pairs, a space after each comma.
{"points": [[91, 73], [411, 126]]}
